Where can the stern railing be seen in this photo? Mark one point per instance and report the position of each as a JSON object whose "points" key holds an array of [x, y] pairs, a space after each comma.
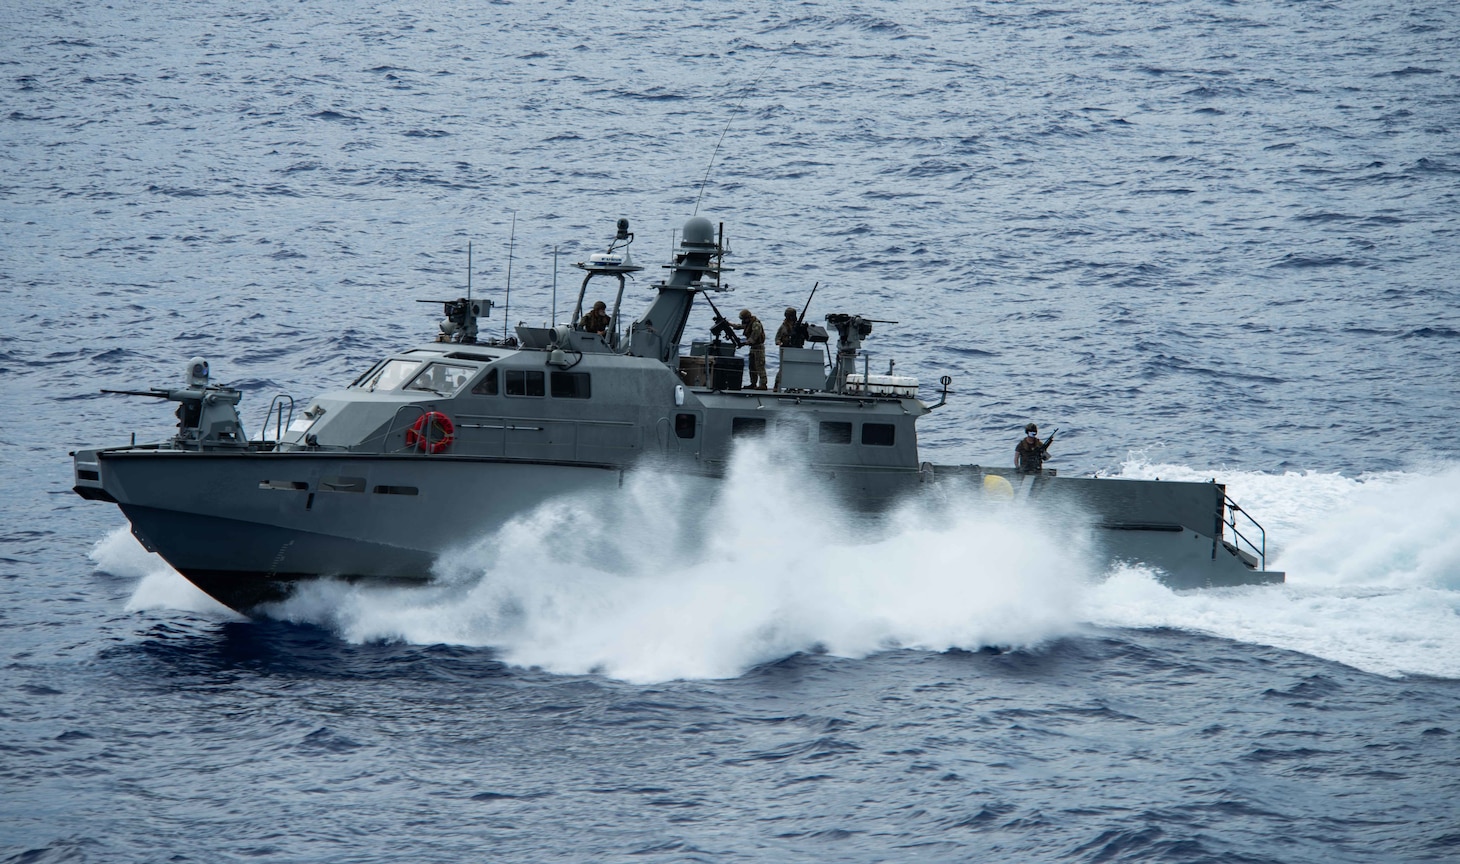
{"points": [[1258, 549]]}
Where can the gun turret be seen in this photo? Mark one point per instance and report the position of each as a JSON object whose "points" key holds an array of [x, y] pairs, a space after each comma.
{"points": [[460, 323], [206, 414], [850, 331]]}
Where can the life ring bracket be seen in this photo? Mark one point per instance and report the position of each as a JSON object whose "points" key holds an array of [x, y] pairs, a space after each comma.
{"points": [[432, 432]]}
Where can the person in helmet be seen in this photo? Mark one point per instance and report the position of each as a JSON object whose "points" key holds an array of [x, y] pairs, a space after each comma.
{"points": [[755, 338], [791, 334], [597, 320], [1030, 452]]}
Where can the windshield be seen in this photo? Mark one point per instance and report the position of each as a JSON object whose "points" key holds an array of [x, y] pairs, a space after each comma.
{"points": [[443, 378], [390, 375]]}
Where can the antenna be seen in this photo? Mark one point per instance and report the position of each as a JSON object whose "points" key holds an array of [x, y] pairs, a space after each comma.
{"points": [[468, 271], [555, 285], [511, 242], [735, 111]]}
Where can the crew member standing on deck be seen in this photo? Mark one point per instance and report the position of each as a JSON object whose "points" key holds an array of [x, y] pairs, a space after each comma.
{"points": [[790, 335], [597, 320], [1030, 453], [755, 338]]}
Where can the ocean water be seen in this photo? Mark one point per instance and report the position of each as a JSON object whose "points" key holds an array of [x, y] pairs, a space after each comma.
{"points": [[1204, 240]]}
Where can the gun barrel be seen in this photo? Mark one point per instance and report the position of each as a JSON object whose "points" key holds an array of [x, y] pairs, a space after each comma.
{"points": [[156, 394], [801, 319]]}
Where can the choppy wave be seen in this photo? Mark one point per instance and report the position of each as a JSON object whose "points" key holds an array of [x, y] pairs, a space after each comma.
{"points": [[1218, 237], [670, 581]]}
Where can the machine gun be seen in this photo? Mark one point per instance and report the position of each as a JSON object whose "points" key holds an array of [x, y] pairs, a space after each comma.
{"points": [[460, 324], [206, 413], [850, 331], [802, 334], [155, 392], [723, 327]]}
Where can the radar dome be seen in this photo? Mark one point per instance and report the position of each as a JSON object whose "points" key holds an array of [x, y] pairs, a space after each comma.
{"points": [[699, 231]]}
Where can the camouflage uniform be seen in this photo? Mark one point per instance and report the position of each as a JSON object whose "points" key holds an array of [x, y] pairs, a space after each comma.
{"points": [[755, 338], [596, 321], [791, 334]]}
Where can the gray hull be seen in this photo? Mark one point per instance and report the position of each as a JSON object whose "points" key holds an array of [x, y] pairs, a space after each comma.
{"points": [[1179, 528], [246, 527]]}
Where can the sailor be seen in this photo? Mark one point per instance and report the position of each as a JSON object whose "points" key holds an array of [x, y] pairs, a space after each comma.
{"points": [[790, 334], [597, 320], [1030, 452], [755, 338]]}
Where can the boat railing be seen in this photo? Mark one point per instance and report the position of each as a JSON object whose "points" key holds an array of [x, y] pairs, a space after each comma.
{"points": [[417, 412], [281, 414], [1259, 548]]}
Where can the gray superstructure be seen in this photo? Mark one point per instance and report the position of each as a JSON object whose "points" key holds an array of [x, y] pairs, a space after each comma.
{"points": [[435, 445]]}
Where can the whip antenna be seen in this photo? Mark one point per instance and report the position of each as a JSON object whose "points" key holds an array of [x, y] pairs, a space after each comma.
{"points": [[716, 151], [511, 242]]}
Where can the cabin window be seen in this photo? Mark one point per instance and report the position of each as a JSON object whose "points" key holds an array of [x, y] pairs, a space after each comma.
{"points": [[366, 374], [442, 379], [521, 382], [487, 386], [390, 375], [684, 425], [571, 385], [879, 434], [793, 428], [834, 432], [747, 427]]}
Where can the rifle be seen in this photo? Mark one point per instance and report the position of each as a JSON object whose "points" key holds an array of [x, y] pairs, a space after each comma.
{"points": [[1044, 448]]}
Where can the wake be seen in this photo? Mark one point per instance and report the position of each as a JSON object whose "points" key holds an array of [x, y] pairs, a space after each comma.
{"points": [[671, 578]]}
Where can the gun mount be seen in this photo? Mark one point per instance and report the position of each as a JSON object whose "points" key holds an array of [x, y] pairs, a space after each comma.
{"points": [[460, 323], [206, 414], [851, 331]]}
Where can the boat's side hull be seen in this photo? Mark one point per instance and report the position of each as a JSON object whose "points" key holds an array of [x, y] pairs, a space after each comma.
{"points": [[245, 564], [1175, 527], [245, 527]]}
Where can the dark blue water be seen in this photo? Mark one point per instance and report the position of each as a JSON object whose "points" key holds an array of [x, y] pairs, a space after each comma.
{"points": [[1203, 240]]}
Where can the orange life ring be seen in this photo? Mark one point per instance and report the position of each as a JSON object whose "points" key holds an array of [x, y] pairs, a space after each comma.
{"points": [[432, 432]]}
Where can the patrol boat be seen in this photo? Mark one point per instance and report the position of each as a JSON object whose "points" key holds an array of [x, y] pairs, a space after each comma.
{"points": [[439, 444]]}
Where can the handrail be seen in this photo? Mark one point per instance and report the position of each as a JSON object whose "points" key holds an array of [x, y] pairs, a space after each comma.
{"points": [[420, 410], [1230, 520], [276, 407]]}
